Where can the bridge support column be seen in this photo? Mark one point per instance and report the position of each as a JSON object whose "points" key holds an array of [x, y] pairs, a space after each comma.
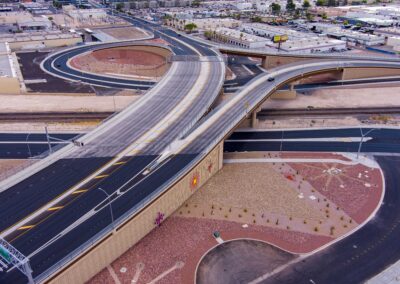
{"points": [[254, 119], [264, 62]]}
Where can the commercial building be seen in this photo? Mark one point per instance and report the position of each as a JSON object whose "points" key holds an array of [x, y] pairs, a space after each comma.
{"points": [[238, 38], [354, 36], [311, 45], [34, 24], [39, 39], [271, 31], [394, 42], [209, 23]]}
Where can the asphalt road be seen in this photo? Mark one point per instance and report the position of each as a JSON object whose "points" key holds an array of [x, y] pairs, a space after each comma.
{"points": [[57, 178], [363, 254], [29, 145], [383, 140]]}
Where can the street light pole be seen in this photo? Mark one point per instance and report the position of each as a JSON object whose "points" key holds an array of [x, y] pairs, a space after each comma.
{"points": [[362, 139], [109, 203], [29, 148]]}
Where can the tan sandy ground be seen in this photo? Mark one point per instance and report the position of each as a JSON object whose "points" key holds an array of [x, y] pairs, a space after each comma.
{"points": [[343, 98], [317, 122], [124, 33], [58, 103], [64, 127], [268, 194]]}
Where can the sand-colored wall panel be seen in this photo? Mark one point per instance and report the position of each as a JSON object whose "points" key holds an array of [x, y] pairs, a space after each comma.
{"points": [[284, 95], [360, 73], [9, 85], [131, 232]]}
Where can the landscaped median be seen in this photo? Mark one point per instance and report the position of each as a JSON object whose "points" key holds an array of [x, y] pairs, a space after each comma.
{"points": [[298, 207]]}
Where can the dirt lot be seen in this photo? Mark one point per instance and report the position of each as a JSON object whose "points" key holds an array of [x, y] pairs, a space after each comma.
{"points": [[125, 33]]}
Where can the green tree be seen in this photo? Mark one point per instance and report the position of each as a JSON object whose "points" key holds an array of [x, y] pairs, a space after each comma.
{"points": [[324, 16], [256, 19], [190, 27], [208, 34], [331, 3], [196, 3], [309, 17], [297, 13], [290, 6], [320, 3], [276, 8], [56, 4], [306, 4], [119, 6]]}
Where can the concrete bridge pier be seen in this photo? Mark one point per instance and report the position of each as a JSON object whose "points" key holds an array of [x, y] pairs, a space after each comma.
{"points": [[254, 119]]}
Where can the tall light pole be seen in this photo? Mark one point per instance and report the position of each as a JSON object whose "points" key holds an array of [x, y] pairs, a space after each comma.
{"points": [[362, 139], [281, 146], [48, 139], [29, 148], [109, 203]]}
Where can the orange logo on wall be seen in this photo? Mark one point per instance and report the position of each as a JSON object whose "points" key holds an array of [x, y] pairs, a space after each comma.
{"points": [[194, 181]]}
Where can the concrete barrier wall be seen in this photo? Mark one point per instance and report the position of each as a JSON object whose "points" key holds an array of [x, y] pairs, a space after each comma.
{"points": [[360, 73], [131, 232]]}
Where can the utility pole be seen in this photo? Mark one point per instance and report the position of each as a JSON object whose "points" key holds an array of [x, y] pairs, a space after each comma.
{"points": [[48, 139], [362, 139], [109, 203]]}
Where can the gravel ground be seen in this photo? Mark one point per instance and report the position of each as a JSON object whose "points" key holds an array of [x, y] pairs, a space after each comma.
{"points": [[356, 189], [124, 33], [180, 243], [255, 187]]}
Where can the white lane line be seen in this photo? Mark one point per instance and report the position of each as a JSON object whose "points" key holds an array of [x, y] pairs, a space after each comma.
{"points": [[113, 274], [178, 265], [139, 268], [276, 270], [289, 160], [327, 139], [247, 69]]}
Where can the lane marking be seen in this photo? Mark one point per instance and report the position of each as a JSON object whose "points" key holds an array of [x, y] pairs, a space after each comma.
{"points": [[100, 176], [139, 268], [178, 265], [55, 208], [119, 163], [79, 191], [26, 227], [113, 274]]}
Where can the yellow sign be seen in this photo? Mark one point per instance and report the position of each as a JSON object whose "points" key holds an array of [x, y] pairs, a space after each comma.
{"points": [[280, 38]]}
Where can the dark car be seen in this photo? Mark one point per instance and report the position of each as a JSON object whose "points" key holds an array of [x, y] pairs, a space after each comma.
{"points": [[271, 79]]}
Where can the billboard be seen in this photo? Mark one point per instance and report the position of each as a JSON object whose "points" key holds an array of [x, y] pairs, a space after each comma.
{"points": [[280, 38]]}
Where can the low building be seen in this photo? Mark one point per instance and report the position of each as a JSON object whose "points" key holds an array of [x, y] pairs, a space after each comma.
{"points": [[209, 24], [40, 39], [271, 31], [354, 36], [238, 38], [311, 45], [394, 42], [34, 24]]}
